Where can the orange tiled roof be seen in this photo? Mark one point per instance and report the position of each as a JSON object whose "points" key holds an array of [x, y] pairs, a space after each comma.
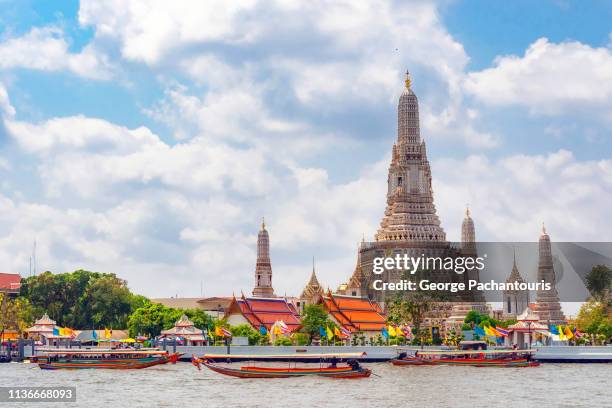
{"points": [[266, 311], [10, 281], [355, 313]]}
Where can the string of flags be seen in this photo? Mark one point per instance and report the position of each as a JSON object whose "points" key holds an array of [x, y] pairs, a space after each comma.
{"points": [[329, 333], [396, 331]]}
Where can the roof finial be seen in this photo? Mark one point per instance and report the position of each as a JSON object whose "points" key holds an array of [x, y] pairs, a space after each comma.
{"points": [[467, 210], [514, 254], [543, 228], [408, 80], [263, 223], [313, 265]]}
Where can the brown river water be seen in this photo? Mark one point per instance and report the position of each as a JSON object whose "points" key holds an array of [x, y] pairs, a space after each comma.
{"points": [[182, 385]]}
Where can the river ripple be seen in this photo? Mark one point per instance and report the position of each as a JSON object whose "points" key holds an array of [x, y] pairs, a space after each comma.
{"points": [[181, 385]]}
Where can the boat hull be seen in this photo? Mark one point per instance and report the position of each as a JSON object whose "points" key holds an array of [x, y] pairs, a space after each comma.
{"points": [[270, 372], [113, 364], [473, 362]]}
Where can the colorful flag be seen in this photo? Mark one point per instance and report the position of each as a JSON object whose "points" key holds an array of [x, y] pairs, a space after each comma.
{"points": [[385, 333], [330, 334], [107, 333], [94, 335], [337, 332], [210, 334], [561, 333], [322, 331], [503, 332], [399, 332], [568, 333], [218, 332], [56, 331], [283, 327], [479, 331], [391, 331], [226, 332], [262, 330], [345, 332], [577, 333], [553, 329]]}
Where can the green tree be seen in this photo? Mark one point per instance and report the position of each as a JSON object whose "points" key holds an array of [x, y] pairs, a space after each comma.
{"points": [[313, 318], [147, 320], [599, 282], [410, 308], [245, 330], [81, 299], [15, 314], [594, 318]]}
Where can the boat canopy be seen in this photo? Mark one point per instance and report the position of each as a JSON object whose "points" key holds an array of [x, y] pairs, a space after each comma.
{"points": [[286, 356]]}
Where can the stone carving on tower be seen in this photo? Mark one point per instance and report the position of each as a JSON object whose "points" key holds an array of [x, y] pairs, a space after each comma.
{"points": [[410, 224], [410, 213], [547, 305], [313, 291], [514, 301], [263, 268]]}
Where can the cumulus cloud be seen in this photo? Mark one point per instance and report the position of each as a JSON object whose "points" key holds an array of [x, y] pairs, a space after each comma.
{"points": [[46, 49], [512, 196], [548, 79]]}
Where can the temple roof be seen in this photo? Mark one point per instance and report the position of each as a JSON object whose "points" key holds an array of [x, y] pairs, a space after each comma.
{"points": [[183, 327], [313, 287], [354, 313], [10, 281], [515, 276], [265, 311], [45, 320]]}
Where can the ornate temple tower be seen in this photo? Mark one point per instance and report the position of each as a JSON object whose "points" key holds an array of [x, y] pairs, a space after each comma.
{"points": [[263, 268], [468, 234], [514, 301], [547, 305], [410, 213], [313, 291]]}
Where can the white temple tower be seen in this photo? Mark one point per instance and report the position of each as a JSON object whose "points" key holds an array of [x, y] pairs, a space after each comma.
{"points": [[547, 305], [410, 214], [514, 301], [263, 268]]}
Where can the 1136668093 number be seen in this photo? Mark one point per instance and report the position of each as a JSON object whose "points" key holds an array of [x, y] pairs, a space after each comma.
{"points": [[34, 394]]}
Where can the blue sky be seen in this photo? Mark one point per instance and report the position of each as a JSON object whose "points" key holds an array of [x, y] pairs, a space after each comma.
{"points": [[148, 139]]}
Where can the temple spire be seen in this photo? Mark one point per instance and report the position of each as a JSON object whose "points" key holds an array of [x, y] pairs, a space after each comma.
{"points": [[408, 80], [263, 266]]}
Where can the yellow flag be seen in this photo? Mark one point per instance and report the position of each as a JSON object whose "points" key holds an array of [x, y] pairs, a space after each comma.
{"points": [[277, 329], [330, 334], [398, 331], [391, 331], [489, 331], [561, 333], [218, 331], [337, 332], [568, 333], [107, 334]]}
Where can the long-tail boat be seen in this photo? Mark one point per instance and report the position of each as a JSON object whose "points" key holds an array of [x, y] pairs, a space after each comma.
{"points": [[102, 358], [327, 366], [474, 358]]}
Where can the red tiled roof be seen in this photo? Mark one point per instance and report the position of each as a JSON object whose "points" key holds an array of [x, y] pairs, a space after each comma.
{"points": [[266, 311], [10, 281], [355, 313]]}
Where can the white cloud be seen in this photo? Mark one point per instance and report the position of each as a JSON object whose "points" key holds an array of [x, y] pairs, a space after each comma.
{"points": [[512, 196], [149, 29], [549, 79], [46, 49]]}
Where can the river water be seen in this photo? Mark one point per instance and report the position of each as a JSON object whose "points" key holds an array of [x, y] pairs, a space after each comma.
{"points": [[182, 385]]}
